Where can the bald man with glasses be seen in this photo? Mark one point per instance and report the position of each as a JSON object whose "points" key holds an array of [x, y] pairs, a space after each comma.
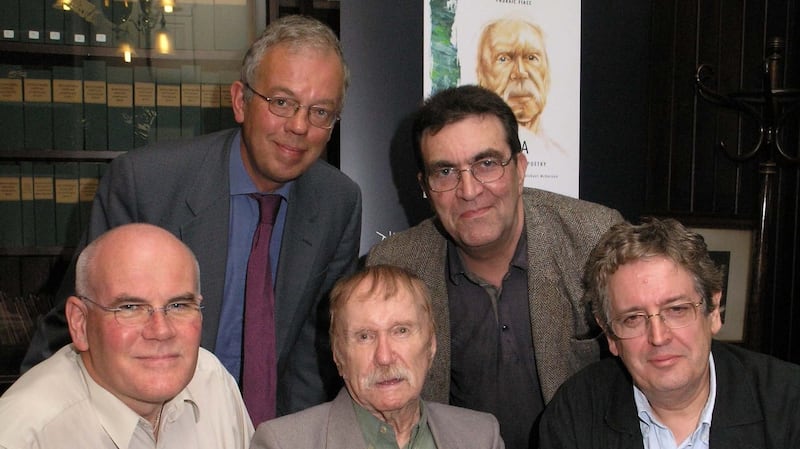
{"points": [[134, 375]]}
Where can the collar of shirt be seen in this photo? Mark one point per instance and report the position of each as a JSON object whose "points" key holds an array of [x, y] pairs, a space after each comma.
{"points": [[455, 265], [118, 420], [657, 435], [380, 435]]}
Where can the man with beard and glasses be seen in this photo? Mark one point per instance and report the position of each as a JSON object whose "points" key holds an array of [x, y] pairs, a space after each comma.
{"points": [[383, 338], [512, 62]]}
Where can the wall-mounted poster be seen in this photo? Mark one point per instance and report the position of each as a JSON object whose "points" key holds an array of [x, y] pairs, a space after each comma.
{"points": [[528, 51]]}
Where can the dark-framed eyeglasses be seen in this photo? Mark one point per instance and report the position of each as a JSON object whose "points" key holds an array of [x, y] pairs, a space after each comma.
{"points": [[486, 170], [286, 107], [135, 314], [674, 316]]}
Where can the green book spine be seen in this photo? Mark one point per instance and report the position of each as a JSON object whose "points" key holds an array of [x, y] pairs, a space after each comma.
{"points": [[100, 27], [11, 107], [38, 110], [168, 103], [95, 105], [44, 205], [31, 20], [226, 118], [9, 20], [76, 29], [28, 213], [66, 177], [120, 108], [87, 186], [10, 206], [144, 106], [53, 23], [191, 101], [210, 101], [67, 108]]}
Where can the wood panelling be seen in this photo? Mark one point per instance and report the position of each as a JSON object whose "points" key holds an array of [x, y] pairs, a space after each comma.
{"points": [[688, 173]]}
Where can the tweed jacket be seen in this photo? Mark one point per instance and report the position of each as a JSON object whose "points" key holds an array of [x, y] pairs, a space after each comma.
{"points": [[334, 425], [561, 231], [183, 186], [757, 405]]}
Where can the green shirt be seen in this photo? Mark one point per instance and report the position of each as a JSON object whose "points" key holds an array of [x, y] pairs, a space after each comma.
{"points": [[380, 435]]}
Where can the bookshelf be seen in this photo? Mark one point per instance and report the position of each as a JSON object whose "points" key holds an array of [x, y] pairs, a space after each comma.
{"points": [[69, 105]]}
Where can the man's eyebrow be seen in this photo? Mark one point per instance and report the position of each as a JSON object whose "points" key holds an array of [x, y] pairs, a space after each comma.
{"points": [[487, 153], [285, 92], [184, 297]]}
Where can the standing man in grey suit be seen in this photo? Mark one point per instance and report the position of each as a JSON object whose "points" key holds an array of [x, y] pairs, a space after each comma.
{"points": [[503, 263], [289, 97], [383, 342]]}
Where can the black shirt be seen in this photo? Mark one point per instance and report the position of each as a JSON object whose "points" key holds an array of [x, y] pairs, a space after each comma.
{"points": [[493, 366]]}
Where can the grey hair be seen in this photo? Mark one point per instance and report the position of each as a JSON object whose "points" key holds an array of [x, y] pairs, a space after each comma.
{"points": [[298, 32]]}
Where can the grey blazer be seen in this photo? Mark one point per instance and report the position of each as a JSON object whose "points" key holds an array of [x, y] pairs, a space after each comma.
{"points": [[183, 186], [333, 425], [561, 232]]}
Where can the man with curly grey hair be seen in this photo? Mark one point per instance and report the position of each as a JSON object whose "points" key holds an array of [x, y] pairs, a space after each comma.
{"points": [[656, 293]]}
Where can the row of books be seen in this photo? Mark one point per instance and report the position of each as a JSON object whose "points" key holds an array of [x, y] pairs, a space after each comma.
{"points": [[46, 204], [101, 107], [205, 25], [18, 315]]}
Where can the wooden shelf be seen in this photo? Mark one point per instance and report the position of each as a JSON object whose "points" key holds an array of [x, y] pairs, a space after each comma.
{"points": [[58, 155], [211, 56]]}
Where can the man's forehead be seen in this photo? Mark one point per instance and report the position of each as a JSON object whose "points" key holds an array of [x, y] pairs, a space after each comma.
{"points": [[519, 34]]}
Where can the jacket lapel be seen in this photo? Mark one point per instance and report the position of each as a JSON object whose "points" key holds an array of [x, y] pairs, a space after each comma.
{"points": [[207, 232]]}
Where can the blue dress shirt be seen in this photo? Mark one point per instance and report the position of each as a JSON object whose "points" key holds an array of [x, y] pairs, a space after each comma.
{"points": [[243, 222]]}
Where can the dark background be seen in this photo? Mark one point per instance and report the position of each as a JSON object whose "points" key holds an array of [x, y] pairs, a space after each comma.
{"points": [[649, 143]]}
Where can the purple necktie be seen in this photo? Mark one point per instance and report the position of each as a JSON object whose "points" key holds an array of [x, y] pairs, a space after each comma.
{"points": [[259, 374]]}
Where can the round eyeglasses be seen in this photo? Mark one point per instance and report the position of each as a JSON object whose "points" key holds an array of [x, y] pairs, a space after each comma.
{"points": [[287, 108], [674, 316], [135, 314], [444, 179]]}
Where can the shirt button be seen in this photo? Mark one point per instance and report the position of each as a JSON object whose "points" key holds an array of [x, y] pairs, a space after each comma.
{"points": [[505, 327], [383, 429]]}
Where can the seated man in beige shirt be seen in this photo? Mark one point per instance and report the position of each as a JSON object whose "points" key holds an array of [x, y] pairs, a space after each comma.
{"points": [[134, 375]]}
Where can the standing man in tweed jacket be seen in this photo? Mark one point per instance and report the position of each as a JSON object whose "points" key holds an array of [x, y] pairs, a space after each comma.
{"points": [[503, 263]]}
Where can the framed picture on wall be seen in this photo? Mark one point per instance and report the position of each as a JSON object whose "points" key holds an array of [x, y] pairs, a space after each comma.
{"points": [[730, 246]]}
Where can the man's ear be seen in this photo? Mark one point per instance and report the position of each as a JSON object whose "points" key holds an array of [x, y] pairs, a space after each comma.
{"points": [[612, 342], [522, 167], [237, 100], [422, 185], [77, 316], [716, 314]]}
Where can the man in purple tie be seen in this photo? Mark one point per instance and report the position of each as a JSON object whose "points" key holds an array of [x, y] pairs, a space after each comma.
{"points": [[287, 101]]}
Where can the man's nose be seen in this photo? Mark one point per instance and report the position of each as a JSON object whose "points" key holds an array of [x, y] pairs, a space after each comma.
{"points": [[384, 353], [658, 333]]}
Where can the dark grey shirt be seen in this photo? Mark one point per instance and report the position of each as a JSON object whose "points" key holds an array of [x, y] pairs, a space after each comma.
{"points": [[493, 366]]}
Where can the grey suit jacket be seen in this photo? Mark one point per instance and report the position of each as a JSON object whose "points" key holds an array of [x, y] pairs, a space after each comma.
{"points": [[183, 186], [561, 232], [334, 425]]}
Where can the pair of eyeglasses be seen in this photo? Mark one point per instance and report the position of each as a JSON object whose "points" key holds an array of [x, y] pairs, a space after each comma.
{"points": [[674, 316], [444, 179], [286, 107], [135, 314]]}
